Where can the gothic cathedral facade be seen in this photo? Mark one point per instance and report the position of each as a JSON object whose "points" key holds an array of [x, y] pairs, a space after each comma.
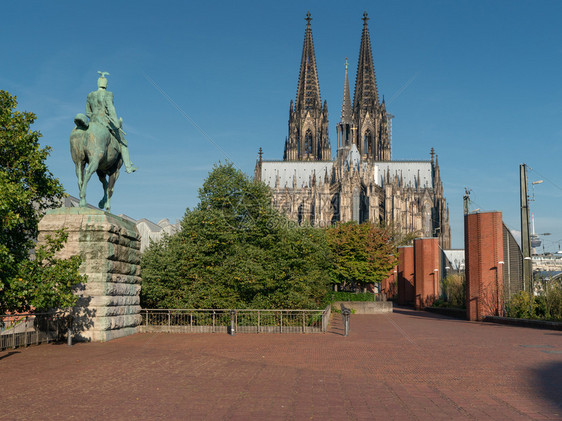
{"points": [[363, 183]]}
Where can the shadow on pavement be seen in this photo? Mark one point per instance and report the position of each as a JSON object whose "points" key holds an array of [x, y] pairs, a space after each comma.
{"points": [[424, 314], [548, 379], [9, 354]]}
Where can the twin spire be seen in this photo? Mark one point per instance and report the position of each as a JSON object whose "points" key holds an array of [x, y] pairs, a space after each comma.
{"points": [[308, 91], [308, 118], [366, 93]]}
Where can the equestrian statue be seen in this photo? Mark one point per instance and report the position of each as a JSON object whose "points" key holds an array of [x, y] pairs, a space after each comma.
{"points": [[98, 144]]}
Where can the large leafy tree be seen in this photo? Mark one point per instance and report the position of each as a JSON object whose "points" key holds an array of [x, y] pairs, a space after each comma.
{"points": [[362, 254], [235, 251], [27, 189]]}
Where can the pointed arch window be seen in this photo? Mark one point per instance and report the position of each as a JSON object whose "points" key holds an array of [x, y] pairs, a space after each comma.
{"points": [[367, 143], [427, 223], [308, 142]]}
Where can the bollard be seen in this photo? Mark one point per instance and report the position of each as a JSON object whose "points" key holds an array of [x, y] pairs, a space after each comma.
{"points": [[232, 322], [345, 312]]}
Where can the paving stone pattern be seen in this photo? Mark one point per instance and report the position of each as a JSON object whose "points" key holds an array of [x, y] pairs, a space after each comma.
{"points": [[406, 365]]}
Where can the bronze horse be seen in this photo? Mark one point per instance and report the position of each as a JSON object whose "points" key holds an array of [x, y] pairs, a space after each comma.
{"points": [[95, 149]]}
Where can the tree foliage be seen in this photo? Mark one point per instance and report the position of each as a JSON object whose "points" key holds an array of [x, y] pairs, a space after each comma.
{"points": [[44, 282], [234, 250], [27, 189], [362, 254]]}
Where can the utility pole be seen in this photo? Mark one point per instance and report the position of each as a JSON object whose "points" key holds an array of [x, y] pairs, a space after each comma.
{"points": [[525, 231]]}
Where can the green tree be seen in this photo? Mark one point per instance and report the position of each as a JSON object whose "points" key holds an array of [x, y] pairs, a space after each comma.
{"points": [[234, 250], [27, 189], [362, 254]]}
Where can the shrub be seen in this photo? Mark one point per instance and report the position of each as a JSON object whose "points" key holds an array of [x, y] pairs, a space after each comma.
{"points": [[454, 291]]}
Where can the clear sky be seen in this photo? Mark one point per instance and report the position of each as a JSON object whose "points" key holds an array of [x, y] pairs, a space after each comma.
{"points": [[198, 82]]}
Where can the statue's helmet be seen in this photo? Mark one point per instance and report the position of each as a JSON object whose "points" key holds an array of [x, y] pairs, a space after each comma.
{"points": [[102, 80]]}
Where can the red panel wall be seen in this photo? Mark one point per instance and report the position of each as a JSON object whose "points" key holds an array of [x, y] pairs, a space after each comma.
{"points": [[389, 285], [426, 269], [406, 290], [484, 268]]}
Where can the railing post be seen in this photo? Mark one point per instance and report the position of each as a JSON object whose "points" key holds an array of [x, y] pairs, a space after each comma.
{"points": [[303, 329], [146, 321], [232, 322], [69, 333], [169, 321], [14, 334], [281, 321], [213, 321], [25, 332], [258, 321]]}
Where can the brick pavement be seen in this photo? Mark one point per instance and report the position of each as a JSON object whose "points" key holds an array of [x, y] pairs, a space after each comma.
{"points": [[405, 365]]}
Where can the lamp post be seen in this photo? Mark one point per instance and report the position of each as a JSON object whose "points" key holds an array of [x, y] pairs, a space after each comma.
{"points": [[498, 288]]}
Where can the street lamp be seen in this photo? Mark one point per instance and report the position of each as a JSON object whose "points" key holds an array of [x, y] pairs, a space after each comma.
{"points": [[533, 183], [498, 288]]}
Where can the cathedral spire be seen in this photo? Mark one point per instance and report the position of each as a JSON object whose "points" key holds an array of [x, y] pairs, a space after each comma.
{"points": [[308, 91], [346, 113], [366, 93], [308, 120]]}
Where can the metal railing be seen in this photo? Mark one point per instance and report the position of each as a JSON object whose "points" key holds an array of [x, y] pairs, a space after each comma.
{"points": [[234, 321], [17, 330]]}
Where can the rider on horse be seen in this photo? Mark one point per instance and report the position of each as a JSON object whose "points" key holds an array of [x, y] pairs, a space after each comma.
{"points": [[100, 109]]}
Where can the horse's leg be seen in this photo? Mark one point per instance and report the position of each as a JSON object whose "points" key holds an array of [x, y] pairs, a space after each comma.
{"points": [[103, 201], [80, 175], [112, 179], [90, 169]]}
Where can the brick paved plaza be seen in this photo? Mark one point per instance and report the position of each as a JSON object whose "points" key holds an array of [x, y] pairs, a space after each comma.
{"points": [[405, 365]]}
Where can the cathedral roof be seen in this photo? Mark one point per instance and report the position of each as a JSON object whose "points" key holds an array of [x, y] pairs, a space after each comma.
{"points": [[308, 91], [411, 173], [294, 173], [299, 174]]}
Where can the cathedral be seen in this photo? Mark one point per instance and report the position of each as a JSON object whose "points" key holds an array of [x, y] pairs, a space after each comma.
{"points": [[363, 183]]}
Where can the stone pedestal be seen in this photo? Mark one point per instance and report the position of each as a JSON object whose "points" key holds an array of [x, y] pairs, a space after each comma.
{"points": [[109, 303]]}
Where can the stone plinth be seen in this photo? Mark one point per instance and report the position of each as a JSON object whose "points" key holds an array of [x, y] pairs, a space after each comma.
{"points": [[484, 264], [426, 271], [109, 302]]}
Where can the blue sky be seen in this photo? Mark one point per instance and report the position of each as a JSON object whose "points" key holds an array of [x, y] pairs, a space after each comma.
{"points": [[480, 81]]}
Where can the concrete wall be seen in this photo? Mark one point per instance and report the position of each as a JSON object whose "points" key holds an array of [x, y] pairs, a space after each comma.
{"points": [[484, 264], [366, 307]]}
